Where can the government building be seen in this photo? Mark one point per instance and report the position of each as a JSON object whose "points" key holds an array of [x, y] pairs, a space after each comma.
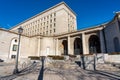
{"points": [[54, 32]]}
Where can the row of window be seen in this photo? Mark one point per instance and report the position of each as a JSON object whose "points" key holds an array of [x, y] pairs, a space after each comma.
{"points": [[43, 19], [41, 26], [37, 30], [71, 23]]}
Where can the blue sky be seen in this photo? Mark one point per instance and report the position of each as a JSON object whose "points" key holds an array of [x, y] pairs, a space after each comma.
{"points": [[89, 12]]}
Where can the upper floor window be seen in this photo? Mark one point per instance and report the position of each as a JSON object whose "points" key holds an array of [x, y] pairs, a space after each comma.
{"points": [[54, 30], [54, 14], [54, 19], [54, 24], [50, 20], [47, 17], [50, 31], [51, 15]]}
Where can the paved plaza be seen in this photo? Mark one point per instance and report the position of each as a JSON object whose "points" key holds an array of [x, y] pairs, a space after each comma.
{"points": [[58, 70]]}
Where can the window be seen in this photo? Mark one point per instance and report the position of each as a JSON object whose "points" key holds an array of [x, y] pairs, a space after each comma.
{"points": [[15, 40], [54, 19], [44, 18], [50, 31], [47, 17], [54, 14], [47, 32], [13, 56], [14, 48], [47, 22], [54, 24], [116, 44], [38, 25], [54, 30], [50, 25], [51, 15], [50, 20]]}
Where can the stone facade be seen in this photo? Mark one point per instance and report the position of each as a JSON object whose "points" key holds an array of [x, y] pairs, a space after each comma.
{"points": [[65, 41], [55, 20]]}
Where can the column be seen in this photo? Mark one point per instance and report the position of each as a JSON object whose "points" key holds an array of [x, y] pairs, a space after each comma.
{"points": [[84, 44], [68, 44], [102, 42], [56, 51], [38, 51]]}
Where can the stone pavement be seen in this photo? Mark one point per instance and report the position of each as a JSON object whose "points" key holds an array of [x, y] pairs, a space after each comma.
{"points": [[70, 71], [64, 70]]}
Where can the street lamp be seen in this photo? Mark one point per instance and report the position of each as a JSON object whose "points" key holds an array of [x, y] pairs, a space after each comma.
{"points": [[20, 30]]}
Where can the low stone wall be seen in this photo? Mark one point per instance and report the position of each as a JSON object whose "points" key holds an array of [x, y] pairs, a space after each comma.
{"points": [[112, 58]]}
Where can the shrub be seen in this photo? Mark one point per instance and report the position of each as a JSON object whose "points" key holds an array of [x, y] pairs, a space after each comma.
{"points": [[34, 57], [56, 57], [114, 53], [72, 56], [88, 54]]}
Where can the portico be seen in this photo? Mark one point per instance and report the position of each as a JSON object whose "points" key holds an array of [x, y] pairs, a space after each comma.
{"points": [[80, 42]]}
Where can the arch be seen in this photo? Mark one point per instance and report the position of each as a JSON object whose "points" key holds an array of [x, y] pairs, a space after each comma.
{"points": [[116, 44], [65, 47], [94, 44], [78, 46], [13, 47]]}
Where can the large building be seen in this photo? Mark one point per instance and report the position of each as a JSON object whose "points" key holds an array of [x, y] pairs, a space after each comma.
{"points": [[55, 20], [54, 32]]}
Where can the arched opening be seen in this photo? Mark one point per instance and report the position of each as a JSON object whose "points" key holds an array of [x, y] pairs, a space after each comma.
{"points": [[116, 44], [94, 44], [13, 48], [65, 47], [78, 46]]}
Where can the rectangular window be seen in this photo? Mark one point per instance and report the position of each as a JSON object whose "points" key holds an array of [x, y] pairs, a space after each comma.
{"points": [[51, 15], [50, 25], [50, 20], [47, 32], [47, 17], [50, 31], [14, 47], [47, 22], [54, 14], [13, 56], [54, 30], [54, 24], [54, 19]]}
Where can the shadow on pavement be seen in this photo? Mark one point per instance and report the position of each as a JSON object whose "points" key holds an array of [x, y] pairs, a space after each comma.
{"points": [[42, 69], [108, 74]]}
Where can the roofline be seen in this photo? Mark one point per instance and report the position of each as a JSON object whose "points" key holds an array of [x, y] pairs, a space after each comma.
{"points": [[116, 15], [12, 32], [81, 30], [44, 12]]}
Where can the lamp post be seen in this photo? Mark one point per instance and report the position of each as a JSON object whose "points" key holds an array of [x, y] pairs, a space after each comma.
{"points": [[20, 30]]}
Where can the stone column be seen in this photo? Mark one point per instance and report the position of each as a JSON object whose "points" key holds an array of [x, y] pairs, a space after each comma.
{"points": [[84, 44], [38, 51], [56, 51], [68, 44], [102, 42]]}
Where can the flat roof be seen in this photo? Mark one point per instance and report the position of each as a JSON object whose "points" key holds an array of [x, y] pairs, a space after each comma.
{"points": [[44, 12]]}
